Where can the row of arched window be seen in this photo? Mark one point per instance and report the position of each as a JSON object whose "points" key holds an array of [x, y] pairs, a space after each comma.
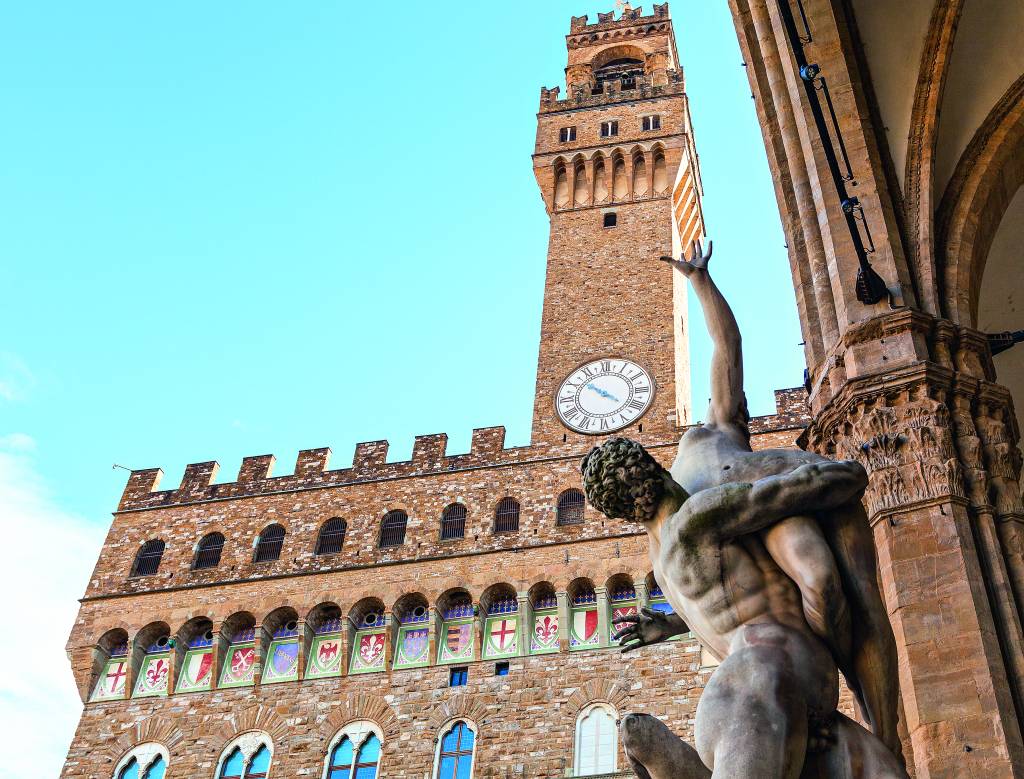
{"points": [[331, 536], [283, 646], [583, 182], [358, 750]]}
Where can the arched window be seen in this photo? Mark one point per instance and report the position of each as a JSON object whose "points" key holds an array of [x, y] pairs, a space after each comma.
{"points": [[455, 752], [147, 561], [208, 552], [453, 522], [146, 761], [392, 529], [639, 174], [247, 757], [596, 749], [355, 754], [570, 507], [620, 186], [561, 186], [506, 516], [332, 537], [660, 172], [268, 546]]}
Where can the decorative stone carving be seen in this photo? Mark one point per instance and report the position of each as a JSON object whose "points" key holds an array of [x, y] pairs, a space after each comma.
{"points": [[907, 451]]}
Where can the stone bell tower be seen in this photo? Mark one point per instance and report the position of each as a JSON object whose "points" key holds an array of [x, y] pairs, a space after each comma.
{"points": [[617, 168]]}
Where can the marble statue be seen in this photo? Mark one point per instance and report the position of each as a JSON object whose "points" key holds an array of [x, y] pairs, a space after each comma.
{"points": [[768, 558]]}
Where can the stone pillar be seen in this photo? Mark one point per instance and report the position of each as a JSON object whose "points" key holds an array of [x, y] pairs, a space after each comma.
{"points": [[433, 618], [262, 644], [908, 394], [479, 616], [643, 597], [563, 621], [305, 641], [525, 624], [390, 626], [218, 650], [347, 641], [175, 657], [946, 590], [603, 616]]}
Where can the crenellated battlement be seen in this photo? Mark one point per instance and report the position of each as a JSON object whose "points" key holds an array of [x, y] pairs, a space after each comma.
{"points": [[369, 463], [585, 95], [630, 17]]}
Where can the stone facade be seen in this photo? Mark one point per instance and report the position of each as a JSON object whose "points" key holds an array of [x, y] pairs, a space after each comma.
{"points": [[605, 294]]}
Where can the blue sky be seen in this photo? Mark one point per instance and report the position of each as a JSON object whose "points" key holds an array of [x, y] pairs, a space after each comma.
{"points": [[241, 228]]}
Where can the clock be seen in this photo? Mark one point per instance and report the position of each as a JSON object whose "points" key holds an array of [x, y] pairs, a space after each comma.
{"points": [[604, 395]]}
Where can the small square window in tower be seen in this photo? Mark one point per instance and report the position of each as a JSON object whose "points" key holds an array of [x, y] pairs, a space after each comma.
{"points": [[609, 129], [610, 219], [652, 123], [458, 676], [501, 669], [567, 134]]}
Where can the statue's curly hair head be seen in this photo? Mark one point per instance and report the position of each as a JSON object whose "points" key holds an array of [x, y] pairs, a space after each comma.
{"points": [[622, 480]]}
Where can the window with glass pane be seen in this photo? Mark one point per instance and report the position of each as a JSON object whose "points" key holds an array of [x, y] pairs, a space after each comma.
{"points": [[457, 753], [156, 770], [233, 766], [595, 742], [341, 760], [369, 756], [260, 765], [365, 766], [150, 767]]}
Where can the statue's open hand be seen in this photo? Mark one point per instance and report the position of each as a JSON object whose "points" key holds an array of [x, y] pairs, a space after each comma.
{"points": [[697, 262], [643, 629]]}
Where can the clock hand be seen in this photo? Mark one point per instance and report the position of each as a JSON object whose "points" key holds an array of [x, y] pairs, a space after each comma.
{"points": [[603, 393]]}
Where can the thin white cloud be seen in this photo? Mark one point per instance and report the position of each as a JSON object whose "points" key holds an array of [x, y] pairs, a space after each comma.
{"points": [[39, 704], [17, 442], [15, 377]]}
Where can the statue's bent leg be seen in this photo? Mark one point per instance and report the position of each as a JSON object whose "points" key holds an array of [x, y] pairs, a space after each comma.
{"points": [[856, 754], [799, 548], [655, 752], [752, 717], [874, 648]]}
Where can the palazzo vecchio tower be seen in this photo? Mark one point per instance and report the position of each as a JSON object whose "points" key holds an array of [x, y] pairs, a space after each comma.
{"points": [[448, 616]]}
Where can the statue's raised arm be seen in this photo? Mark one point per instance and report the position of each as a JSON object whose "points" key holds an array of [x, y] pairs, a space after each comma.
{"points": [[728, 403]]}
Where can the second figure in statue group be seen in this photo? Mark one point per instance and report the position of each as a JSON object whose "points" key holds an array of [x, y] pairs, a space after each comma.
{"points": [[768, 558]]}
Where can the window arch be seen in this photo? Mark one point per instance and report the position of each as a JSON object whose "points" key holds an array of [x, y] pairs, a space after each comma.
{"points": [[506, 516], [246, 757], [268, 544], [453, 522], [570, 507], [392, 529], [145, 761], [332, 537], [561, 185], [455, 752], [147, 561], [208, 552], [354, 753], [596, 748]]}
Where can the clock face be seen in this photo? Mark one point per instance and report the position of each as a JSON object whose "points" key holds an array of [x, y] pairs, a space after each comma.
{"points": [[604, 395]]}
